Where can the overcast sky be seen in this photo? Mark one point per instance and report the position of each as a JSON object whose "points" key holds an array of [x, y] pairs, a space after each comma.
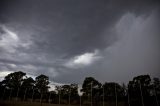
{"points": [[68, 40]]}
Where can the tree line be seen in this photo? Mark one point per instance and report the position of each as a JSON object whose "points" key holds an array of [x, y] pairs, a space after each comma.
{"points": [[140, 91]]}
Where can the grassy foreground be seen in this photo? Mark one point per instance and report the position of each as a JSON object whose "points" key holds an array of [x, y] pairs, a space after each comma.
{"points": [[14, 103], [7, 103]]}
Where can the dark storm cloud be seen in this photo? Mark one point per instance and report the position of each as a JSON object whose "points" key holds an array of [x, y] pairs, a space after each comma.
{"points": [[52, 32], [65, 24]]}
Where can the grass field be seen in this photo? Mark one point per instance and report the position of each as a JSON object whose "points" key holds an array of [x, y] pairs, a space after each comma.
{"points": [[14, 103], [7, 103]]}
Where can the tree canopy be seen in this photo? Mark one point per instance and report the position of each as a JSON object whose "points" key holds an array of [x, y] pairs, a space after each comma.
{"points": [[27, 87]]}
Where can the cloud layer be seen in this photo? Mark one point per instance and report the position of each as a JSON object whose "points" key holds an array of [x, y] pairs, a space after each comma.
{"points": [[70, 40], [83, 60]]}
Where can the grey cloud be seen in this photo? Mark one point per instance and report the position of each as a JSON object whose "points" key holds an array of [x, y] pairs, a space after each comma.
{"points": [[59, 30], [67, 24]]}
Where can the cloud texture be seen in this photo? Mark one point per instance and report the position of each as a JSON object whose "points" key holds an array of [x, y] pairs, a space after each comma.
{"points": [[69, 40]]}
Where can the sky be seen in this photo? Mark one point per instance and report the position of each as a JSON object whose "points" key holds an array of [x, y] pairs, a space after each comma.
{"points": [[69, 40]]}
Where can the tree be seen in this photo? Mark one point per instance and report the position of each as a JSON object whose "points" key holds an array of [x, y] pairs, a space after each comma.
{"points": [[12, 83], [68, 92], [91, 89], [74, 90], [156, 85], [144, 81], [51, 97], [27, 85], [86, 87], [14, 80], [140, 84], [58, 89], [41, 83], [112, 89]]}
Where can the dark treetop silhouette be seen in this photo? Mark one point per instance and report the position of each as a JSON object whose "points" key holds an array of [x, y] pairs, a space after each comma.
{"points": [[140, 91]]}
